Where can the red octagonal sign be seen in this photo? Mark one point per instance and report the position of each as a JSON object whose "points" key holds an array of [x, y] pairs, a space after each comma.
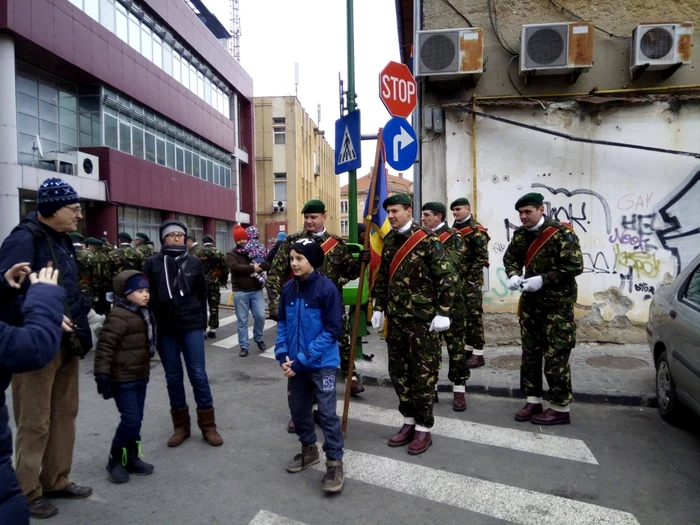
{"points": [[397, 89]]}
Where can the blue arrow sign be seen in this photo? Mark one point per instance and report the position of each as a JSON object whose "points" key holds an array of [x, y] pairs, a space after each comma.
{"points": [[348, 148], [401, 144]]}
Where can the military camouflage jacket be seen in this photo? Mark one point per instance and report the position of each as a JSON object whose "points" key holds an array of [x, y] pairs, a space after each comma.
{"points": [[456, 253], [423, 285], [125, 258], [477, 250], [90, 274], [146, 251], [558, 261], [214, 262], [339, 265]]}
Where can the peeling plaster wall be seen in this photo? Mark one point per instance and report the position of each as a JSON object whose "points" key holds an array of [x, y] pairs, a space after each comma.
{"points": [[627, 206]]}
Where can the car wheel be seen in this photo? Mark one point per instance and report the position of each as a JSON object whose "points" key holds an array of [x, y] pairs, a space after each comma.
{"points": [[669, 406]]}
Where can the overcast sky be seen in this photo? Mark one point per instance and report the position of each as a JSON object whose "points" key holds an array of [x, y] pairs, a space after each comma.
{"points": [[278, 33]]}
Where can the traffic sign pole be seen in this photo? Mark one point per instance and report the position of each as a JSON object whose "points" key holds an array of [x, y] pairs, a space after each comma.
{"points": [[352, 176]]}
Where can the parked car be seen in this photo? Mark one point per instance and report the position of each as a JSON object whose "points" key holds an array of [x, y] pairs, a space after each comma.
{"points": [[673, 333]]}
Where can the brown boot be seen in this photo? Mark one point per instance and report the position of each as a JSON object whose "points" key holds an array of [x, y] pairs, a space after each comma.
{"points": [[475, 361], [421, 442], [181, 424], [308, 457], [529, 410], [207, 424], [551, 417], [403, 436], [460, 402], [356, 388], [334, 478]]}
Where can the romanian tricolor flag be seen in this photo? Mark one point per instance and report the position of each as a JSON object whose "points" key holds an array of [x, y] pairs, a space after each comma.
{"points": [[379, 220]]}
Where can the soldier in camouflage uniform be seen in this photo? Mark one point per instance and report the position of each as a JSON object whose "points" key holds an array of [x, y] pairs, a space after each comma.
{"points": [[339, 266], [551, 256], [125, 257], [415, 287], [433, 218], [141, 244], [476, 241], [103, 276], [87, 268], [216, 275], [192, 244]]}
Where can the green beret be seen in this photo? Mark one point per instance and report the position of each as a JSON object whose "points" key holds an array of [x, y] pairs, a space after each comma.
{"points": [[105, 239], [437, 207], [314, 206], [192, 238], [91, 241], [142, 236], [123, 236], [150, 243], [530, 199], [208, 238], [462, 201], [77, 237], [399, 198]]}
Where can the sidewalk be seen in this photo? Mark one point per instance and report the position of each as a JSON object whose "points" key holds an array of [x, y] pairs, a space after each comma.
{"points": [[616, 374]]}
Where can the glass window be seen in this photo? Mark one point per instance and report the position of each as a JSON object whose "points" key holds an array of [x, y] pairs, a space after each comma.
{"points": [[27, 124], [68, 118], [215, 177], [170, 158], [157, 51], [137, 138], [92, 9], [188, 162], [692, 294], [48, 130], [77, 3], [124, 137], [111, 127], [48, 111], [69, 137], [122, 23], [210, 171], [134, 32], [167, 59], [146, 46], [280, 138], [203, 168], [107, 14], [193, 79], [150, 147], [25, 84], [280, 191], [176, 66], [160, 151], [47, 92], [195, 165], [200, 84], [179, 159], [207, 91], [185, 74]]}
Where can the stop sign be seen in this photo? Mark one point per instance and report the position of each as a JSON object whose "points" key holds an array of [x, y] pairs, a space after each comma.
{"points": [[397, 89]]}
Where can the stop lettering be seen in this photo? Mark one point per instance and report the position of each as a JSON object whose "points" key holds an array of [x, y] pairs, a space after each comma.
{"points": [[397, 89]]}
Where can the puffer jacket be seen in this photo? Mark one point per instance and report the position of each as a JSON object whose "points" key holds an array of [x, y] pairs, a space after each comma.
{"points": [[23, 349], [309, 324], [241, 268], [122, 349]]}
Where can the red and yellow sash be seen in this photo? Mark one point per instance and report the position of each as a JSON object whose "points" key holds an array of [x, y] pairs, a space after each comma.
{"points": [[407, 248], [466, 231], [326, 246], [535, 247], [444, 236]]}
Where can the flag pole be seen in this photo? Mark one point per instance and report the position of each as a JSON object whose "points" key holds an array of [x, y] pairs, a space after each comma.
{"points": [[363, 267]]}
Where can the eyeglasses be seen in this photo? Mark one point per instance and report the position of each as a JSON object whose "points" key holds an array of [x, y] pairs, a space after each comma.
{"points": [[75, 209], [175, 235]]}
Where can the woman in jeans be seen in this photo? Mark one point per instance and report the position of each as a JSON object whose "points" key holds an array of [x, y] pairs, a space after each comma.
{"points": [[247, 290], [179, 303]]}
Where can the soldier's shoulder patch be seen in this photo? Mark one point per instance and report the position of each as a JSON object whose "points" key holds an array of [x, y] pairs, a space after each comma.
{"points": [[437, 246]]}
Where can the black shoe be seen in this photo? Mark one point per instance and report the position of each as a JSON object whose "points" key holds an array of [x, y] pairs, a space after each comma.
{"points": [[211, 333], [41, 508], [243, 352], [70, 491], [134, 463], [116, 466], [261, 346]]}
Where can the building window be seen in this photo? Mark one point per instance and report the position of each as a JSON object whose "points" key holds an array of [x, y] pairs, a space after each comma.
{"points": [[222, 236], [194, 225], [133, 220], [279, 129], [344, 206], [344, 230], [280, 187]]}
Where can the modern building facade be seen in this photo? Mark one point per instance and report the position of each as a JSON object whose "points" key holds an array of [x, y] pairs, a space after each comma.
{"points": [[294, 164], [138, 104], [395, 184]]}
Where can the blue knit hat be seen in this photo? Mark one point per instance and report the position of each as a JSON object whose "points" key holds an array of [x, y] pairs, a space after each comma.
{"points": [[54, 194], [136, 282], [281, 236]]}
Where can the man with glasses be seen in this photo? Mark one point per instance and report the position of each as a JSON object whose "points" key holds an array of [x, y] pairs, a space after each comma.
{"points": [[45, 402]]}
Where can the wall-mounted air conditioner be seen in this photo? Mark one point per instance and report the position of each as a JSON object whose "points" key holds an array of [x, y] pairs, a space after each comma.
{"points": [[448, 53], [88, 166], [279, 206], [660, 47], [556, 49]]}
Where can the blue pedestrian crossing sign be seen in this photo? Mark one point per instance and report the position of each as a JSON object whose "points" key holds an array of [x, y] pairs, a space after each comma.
{"points": [[401, 144], [348, 149]]}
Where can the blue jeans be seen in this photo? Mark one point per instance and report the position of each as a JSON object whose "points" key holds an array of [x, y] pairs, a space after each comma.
{"points": [[303, 388], [246, 302], [191, 345], [130, 398]]}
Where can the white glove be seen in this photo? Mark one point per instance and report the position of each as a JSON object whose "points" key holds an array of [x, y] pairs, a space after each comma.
{"points": [[514, 282], [440, 323], [532, 284], [378, 320]]}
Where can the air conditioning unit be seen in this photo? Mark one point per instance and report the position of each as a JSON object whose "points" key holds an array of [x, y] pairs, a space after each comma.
{"points": [[279, 206], [88, 166], [660, 47], [448, 53], [556, 49]]}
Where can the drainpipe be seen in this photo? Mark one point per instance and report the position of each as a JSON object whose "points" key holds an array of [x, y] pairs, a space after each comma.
{"points": [[417, 113]]}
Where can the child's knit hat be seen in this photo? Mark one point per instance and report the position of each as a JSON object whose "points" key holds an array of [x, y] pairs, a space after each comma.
{"points": [[311, 250]]}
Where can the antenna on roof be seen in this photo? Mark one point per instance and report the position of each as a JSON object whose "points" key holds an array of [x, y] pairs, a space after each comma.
{"points": [[296, 79]]}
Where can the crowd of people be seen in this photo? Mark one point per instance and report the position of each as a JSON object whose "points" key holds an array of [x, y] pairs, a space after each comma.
{"points": [[427, 289]]}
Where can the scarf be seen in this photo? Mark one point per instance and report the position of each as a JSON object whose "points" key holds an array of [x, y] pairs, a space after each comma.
{"points": [[148, 320], [173, 279]]}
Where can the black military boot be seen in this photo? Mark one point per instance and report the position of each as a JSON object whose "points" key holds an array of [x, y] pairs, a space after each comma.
{"points": [[134, 463], [116, 466]]}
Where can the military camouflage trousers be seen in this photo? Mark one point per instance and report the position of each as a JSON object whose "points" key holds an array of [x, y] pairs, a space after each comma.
{"points": [[414, 364], [474, 319], [454, 338], [213, 300], [550, 335], [344, 344]]}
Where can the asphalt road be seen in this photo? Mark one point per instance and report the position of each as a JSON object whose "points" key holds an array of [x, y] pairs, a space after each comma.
{"points": [[612, 465]]}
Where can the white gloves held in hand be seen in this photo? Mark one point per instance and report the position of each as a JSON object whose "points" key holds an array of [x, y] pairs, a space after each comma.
{"points": [[439, 323], [514, 282], [532, 284], [378, 320]]}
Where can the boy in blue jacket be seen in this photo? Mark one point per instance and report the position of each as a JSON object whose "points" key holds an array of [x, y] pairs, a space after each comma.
{"points": [[29, 347], [309, 325]]}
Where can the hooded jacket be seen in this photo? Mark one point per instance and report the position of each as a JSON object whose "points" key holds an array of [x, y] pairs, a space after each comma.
{"points": [[309, 324]]}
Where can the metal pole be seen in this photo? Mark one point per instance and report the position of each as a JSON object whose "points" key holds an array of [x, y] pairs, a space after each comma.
{"points": [[352, 176], [417, 114]]}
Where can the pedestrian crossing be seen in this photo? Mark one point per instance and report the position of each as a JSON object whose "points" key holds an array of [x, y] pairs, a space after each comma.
{"points": [[268, 518]]}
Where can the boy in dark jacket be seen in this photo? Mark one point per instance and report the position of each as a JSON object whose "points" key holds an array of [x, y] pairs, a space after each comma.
{"points": [[309, 324], [122, 368], [22, 349]]}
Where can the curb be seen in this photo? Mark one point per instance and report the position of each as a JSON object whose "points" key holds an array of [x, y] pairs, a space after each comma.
{"points": [[515, 393]]}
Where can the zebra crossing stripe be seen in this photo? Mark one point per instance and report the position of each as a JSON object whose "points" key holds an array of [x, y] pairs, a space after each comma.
{"points": [[264, 517], [512, 504], [232, 341], [533, 442], [227, 320]]}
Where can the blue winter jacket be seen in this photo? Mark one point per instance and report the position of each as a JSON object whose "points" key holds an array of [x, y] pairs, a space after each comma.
{"points": [[23, 349], [309, 323]]}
